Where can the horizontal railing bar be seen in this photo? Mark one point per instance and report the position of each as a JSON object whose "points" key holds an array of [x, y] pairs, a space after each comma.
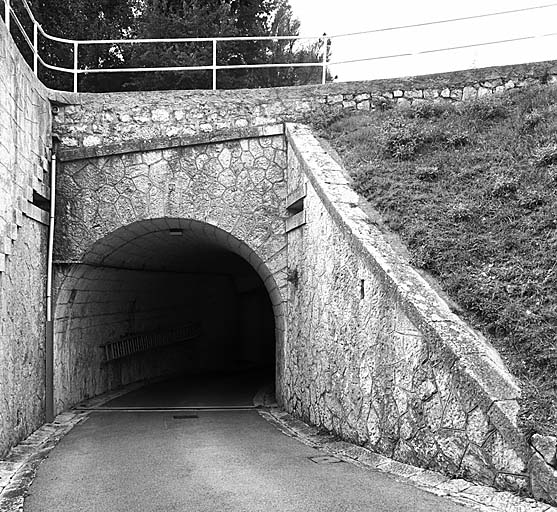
{"points": [[55, 68], [192, 39], [186, 68], [139, 70], [281, 65], [53, 38]]}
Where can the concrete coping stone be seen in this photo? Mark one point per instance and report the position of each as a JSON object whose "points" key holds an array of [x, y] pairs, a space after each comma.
{"points": [[227, 135]]}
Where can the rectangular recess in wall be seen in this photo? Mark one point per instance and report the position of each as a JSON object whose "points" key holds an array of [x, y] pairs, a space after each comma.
{"points": [[294, 222], [295, 199], [141, 342]]}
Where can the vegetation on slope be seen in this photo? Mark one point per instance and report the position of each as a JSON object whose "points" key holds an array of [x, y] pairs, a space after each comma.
{"points": [[471, 188]]}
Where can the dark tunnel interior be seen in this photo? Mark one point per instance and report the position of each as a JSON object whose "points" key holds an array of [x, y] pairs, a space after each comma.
{"points": [[170, 298]]}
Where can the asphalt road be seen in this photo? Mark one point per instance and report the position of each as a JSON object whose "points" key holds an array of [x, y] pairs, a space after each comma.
{"points": [[216, 461]]}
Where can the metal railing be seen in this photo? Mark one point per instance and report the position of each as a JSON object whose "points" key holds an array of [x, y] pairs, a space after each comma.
{"points": [[323, 41], [130, 345], [10, 14]]}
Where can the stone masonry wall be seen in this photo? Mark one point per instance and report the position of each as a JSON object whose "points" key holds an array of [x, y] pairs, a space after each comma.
{"points": [[24, 152], [93, 124], [374, 355], [236, 185]]}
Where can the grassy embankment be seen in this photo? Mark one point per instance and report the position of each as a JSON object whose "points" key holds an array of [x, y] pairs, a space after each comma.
{"points": [[471, 188]]}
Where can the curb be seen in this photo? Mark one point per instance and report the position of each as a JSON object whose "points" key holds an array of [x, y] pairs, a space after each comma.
{"points": [[477, 497], [18, 469]]}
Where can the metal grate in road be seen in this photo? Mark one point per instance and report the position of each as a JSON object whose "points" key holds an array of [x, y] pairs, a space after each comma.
{"points": [[325, 459]]}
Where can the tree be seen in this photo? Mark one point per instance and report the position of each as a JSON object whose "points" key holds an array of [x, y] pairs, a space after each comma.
{"points": [[221, 18], [161, 19], [177, 19], [83, 19], [292, 51]]}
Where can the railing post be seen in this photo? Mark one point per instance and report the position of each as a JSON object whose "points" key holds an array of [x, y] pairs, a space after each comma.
{"points": [[7, 14], [75, 57], [324, 73], [214, 64], [35, 48]]}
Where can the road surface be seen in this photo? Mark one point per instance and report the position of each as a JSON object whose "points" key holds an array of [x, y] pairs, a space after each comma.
{"points": [[220, 461]]}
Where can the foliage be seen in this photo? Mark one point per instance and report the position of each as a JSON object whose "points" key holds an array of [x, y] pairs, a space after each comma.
{"points": [[193, 18], [82, 19], [472, 190], [172, 19], [154, 19]]}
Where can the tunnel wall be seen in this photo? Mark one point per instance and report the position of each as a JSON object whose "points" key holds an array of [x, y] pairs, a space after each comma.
{"points": [[373, 354], [24, 150]]}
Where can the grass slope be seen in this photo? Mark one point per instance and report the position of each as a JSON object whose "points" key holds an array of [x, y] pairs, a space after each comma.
{"points": [[471, 188]]}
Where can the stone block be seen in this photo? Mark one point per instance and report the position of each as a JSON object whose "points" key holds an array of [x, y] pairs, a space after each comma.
{"points": [[431, 94], [469, 93], [160, 115], [18, 217], [414, 93], [335, 99], [91, 140], [7, 246], [478, 427], [546, 446], [456, 94], [476, 465], [543, 480]]}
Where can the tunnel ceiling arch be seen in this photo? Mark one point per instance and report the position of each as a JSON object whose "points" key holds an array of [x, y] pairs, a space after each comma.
{"points": [[169, 244]]}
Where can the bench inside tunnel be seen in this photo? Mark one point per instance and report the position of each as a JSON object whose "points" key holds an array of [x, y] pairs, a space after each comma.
{"points": [[157, 300]]}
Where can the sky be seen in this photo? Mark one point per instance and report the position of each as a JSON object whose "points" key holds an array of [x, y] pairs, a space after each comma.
{"points": [[347, 16]]}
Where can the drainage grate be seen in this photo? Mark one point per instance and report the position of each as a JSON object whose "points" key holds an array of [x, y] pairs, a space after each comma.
{"points": [[185, 416], [324, 459]]}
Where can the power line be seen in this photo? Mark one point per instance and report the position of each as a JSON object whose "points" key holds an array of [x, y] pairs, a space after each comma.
{"points": [[449, 48], [438, 22]]}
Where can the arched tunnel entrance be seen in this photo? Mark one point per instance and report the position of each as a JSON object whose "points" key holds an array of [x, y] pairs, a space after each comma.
{"points": [[160, 298]]}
